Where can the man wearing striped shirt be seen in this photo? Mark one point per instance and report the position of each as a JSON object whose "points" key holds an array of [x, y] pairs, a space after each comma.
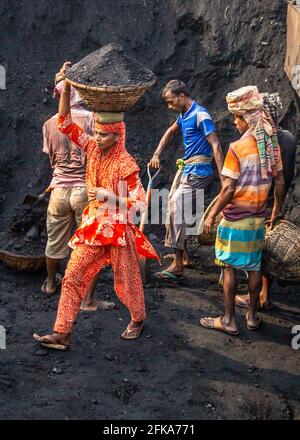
{"points": [[249, 167]]}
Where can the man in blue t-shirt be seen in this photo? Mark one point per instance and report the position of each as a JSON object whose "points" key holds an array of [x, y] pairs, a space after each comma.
{"points": [[201, 145]]}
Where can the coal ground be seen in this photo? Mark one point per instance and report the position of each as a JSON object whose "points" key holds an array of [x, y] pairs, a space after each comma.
{"points": [[176, 370]]}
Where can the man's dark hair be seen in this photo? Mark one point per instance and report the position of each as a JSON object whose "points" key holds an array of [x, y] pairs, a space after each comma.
{"points": [[175, 86]]}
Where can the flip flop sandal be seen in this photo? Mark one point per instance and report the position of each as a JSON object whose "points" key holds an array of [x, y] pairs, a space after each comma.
{"points": [[241, 303], [58, 278], [102, 305], [217, 325], [256, 327], [132, 333], [170, 276], [51, 344]]}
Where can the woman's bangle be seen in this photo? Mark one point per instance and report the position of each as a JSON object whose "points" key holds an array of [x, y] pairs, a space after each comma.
{"points": [[67, 90]]}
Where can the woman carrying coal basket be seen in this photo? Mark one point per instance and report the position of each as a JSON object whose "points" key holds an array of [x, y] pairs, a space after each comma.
{"points": [[106, 235]]}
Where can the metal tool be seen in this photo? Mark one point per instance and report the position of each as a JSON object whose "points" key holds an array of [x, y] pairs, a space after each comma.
{"points": [[34, 200], [144, 266]]}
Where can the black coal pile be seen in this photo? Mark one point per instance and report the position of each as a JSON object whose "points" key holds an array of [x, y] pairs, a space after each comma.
{"points": [[110, 66]]}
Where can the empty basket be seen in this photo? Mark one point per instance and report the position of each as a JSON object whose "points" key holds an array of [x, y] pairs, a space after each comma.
{"points": [[26, 263]]}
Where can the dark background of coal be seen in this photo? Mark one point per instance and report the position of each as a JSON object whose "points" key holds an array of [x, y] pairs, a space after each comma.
{"points": [[212, 47]]}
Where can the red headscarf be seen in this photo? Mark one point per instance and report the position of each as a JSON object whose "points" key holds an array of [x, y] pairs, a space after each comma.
{"points": [[107, 171]]}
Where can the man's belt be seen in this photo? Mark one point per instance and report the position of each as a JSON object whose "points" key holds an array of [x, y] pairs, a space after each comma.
{"points": [[193, 160], [181, 164]]}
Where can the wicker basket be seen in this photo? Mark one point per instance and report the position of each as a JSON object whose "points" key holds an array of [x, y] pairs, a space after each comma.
{"points": [[22, 262], [208, 239], [281, 252], [110, 99]]}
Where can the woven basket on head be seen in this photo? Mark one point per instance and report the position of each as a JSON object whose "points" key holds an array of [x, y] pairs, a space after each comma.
{"points": [[22, 262], [110, 99], [281, 252], [204, 238]]}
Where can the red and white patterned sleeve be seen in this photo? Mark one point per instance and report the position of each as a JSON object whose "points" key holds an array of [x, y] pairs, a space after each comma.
{"points": [[136, 194], [75, 133]]}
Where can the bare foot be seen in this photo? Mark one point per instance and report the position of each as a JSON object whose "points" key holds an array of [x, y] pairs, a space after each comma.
{"points": [[185, 261], [253, 322], [244, 301], [97, 304]]}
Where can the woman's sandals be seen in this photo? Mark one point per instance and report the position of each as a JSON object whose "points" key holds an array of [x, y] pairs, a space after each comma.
{"points": [[49, 341], [132, 332]]}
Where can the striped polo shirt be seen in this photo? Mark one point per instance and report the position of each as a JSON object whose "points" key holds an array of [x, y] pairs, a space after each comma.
{"points": [[242, 163]]}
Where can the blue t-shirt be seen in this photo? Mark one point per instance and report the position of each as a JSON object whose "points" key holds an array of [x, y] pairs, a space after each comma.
{"points": [[195, 125]]}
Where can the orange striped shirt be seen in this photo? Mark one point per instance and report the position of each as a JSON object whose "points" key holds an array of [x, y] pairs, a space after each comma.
{"points": [[242, 163]]}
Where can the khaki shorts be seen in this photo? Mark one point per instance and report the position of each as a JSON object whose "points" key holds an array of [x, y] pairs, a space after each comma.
{"points": [[64, 209]]}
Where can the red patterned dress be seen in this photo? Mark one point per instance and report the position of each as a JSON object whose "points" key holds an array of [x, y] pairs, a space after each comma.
{"points": [[105, 236]]}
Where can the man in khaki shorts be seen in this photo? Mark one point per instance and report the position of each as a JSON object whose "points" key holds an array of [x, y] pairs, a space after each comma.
{"points": [[68, 195]]}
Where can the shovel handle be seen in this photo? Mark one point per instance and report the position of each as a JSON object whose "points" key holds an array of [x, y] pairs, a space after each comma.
{"points": [[148, 195], [151, 178], [43, 195]]}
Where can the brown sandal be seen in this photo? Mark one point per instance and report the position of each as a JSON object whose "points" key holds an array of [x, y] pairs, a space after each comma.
{"points": [[217, 325]]}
